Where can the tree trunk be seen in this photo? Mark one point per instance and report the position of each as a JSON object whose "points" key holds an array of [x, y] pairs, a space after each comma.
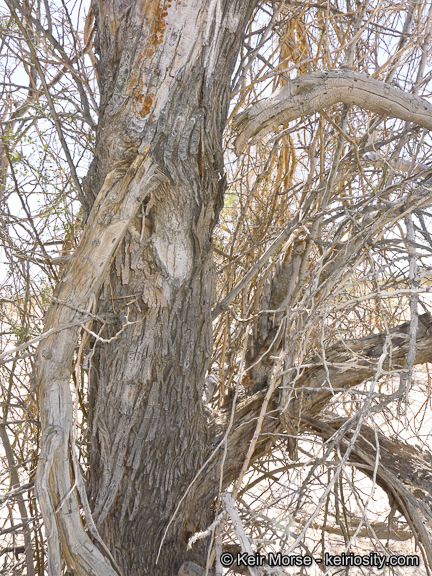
{"points": [[164, 73], [151, 200]]}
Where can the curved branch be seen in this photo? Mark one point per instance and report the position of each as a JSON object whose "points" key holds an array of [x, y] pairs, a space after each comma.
{"points": [[59, 485], [404, 473], [349, 362], [311, 93]]}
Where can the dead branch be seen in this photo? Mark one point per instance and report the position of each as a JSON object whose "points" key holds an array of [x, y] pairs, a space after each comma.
{"points": [[312, 92], [117, 203], [351, 362], [404, 473]]}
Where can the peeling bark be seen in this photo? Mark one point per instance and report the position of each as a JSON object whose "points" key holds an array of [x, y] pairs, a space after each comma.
{"points": [[149, 431], [151, 199], [57, 483], [164, 71]]}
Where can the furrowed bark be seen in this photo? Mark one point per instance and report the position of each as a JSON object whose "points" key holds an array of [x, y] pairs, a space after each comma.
{"points": [[164, 70], [312, 92], [115, 206]]}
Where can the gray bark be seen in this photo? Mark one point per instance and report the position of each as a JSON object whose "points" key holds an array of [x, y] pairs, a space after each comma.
{"points": [[149, 430], [143, 269], [312, 92], [164, 72]]}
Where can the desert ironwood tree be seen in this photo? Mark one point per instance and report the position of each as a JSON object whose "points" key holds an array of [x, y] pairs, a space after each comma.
{"points": [[221, 208]]}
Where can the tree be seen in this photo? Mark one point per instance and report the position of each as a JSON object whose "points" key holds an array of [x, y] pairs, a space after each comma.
{"points": [[322, 248]]}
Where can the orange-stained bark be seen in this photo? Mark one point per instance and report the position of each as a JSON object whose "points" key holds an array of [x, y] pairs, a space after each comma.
{"points": [[164, 71]]}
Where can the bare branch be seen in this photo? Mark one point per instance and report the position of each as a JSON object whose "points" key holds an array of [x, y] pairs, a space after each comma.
{"points": [[351, 362], [311, 93], [404, 472], [117, 203]]}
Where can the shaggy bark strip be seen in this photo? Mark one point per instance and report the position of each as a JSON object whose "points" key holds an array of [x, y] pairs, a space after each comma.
{"points": [[164, 71], [311, 93], [117, 203]]}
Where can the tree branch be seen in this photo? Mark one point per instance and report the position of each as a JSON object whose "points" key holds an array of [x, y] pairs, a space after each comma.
{"points": [[351, 362], [58, 487], [311, 93], [404, 473], [403, 467]]}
